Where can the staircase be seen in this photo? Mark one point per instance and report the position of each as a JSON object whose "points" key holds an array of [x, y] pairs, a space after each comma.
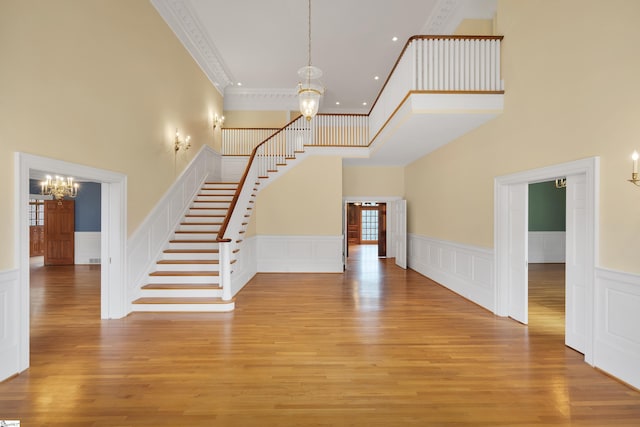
{"points": [[187, 275]]}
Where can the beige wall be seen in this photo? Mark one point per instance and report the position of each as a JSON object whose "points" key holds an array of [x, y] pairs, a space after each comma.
{"points": [[572, 91], [256, 119], [475, 27], [306, 201], [98, 83], [363, 181]]}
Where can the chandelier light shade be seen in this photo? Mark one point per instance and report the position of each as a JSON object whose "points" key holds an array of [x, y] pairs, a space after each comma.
{"points": [[310, 89], [59, 188]]}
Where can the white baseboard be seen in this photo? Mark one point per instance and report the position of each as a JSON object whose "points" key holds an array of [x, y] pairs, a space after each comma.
{"points": [[466, 270], [299, 254], [547, 246], [617, 316], [87, 247]]}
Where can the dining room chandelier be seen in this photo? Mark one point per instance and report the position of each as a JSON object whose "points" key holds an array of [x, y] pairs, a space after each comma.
{"points": [[310, 89]]}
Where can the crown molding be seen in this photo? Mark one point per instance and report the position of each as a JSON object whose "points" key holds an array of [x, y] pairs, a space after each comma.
{"points": [[441, 20], [260, 99], [181, 18]]}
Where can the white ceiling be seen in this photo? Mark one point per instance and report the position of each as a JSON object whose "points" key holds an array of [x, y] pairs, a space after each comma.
{"points": [[263, 43]]}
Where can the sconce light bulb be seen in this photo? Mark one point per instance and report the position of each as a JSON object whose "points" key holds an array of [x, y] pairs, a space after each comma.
{"points": [[635, 155]]}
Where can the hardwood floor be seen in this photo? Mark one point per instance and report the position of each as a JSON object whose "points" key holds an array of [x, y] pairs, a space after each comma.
{"points": [[376, 346]]}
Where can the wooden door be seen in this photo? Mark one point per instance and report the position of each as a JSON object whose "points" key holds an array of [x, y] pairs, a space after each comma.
{"points": [[59, 225], [353, 224], [36, 240], [382, 229]]}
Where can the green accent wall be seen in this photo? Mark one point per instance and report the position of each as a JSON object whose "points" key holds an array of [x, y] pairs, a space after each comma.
{"points": [[547, 205]]}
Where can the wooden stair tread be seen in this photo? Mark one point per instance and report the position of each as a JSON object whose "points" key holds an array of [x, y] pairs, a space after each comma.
{"points": [[195, 232], [182, 286], [203, 216], [200, 223], [183, 300], [184, 273]]}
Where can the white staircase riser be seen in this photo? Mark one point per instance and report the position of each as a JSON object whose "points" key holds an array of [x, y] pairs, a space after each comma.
{"points": [[201, 218], [200, 227], [195, 308], [195, 236], [188, 267], [193, 245], [211, 205], [179, 256], [208, 211], [181, 293], [168, 280], [214, 198]]}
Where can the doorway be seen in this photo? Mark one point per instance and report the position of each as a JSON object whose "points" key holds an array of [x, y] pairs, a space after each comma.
{"points": [[367, 229], [546, 257], [113, 242], [511, 252]]}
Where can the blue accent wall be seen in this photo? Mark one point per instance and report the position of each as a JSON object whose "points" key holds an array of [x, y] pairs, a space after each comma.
{"points": [[87, 206]]}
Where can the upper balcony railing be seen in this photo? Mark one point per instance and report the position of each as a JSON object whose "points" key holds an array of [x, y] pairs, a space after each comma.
{"points": [[439, 64]]}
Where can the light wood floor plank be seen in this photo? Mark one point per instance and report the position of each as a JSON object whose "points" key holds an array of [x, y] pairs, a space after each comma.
{"points": [[376, 346]]}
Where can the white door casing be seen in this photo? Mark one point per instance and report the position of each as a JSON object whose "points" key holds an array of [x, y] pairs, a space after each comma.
{"points": [[575, 268], [589, 169], [400, 232], [518, 225], [114, 240]]}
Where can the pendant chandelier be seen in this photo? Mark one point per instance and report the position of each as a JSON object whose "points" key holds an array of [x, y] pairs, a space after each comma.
{"points": [[309, 89], [60, 188]]}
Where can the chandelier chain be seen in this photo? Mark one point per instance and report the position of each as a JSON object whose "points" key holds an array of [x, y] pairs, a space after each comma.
{"points": [[309, 71]]}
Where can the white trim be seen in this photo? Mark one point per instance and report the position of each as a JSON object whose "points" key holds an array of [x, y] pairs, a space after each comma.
{"points": [[186, 25], [233, 167], [617, 316], [466, 270], [590, 167], [299, 254]]}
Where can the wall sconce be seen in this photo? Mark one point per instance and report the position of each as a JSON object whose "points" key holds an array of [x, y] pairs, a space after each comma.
{"points": [[634, 175], [179, 144], [218, 121]]}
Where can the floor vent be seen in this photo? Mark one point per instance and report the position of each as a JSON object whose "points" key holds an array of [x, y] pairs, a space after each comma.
{"points": [[94, 260]]}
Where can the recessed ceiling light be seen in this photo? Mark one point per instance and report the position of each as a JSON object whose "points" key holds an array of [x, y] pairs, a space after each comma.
{"points": [[394, 39], [376, 78], [239, 84], [364, 103], [337, 102]]}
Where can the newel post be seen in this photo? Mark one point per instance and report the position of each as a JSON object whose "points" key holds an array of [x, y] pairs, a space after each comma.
{"points": [[225, 269]]}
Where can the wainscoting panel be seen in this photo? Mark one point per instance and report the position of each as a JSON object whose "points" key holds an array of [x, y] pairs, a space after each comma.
{"points": [[466, 270], [245, 268], [148, 241], [9, 323], [233, 168], [617, 316], [300, 254], [546, 246], [87, 247]]}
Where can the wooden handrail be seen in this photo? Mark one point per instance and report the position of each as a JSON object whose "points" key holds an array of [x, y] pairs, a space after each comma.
{"points": [[236, 196]]}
